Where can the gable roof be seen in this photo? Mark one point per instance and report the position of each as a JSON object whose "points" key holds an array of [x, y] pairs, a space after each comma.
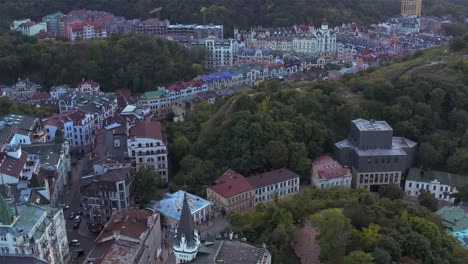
{"points": [[271, 177], [230, 184], [12, 166], [328, 168], [445, 178]]}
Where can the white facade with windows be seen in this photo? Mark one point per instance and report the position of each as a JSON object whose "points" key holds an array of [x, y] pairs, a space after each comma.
{"points": [[275, 184], [440, 184], [36, 230], [149, 152]]}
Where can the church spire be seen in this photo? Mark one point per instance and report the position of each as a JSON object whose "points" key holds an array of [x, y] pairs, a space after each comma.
{"points": [[185, 223]]}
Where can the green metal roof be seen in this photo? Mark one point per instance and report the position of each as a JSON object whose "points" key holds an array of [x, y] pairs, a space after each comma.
{"points": [[453, 217], [445, 178]]}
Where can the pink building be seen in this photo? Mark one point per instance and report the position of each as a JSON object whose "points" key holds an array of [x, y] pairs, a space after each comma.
{"points": [[327, 172], [88, 87]]}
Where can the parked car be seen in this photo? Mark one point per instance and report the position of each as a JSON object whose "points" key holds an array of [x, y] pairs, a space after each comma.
{"points": [[71, 215], [75, 243], [76, 225], [79, 213], [80, 252], [78, 218]]}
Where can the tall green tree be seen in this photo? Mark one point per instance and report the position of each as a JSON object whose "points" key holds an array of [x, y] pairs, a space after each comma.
{"points": [[147, 182]]}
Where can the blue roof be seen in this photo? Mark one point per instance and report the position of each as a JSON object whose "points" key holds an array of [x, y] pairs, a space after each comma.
{"points": [[171, 205], [217, 76], [462, 236]]}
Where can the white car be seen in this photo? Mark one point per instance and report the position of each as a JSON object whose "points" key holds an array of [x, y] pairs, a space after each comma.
{"points": [[78, 218], [75, 243]]}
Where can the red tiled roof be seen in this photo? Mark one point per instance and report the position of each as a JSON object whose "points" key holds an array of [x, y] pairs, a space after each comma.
{"points": [[131, 223], [41, 96], [151, 129], [271, 177], [231, 183], [28, 24], [328, 168], [58, 120], [184, 85], [13, 167]]}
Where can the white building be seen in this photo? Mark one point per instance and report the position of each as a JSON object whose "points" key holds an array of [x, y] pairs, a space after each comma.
{"points": [[58, 91], [327, 172], [88, 87], [170, 207], [14, 165], [36, 230], [147, 146], [440, 184], [21, 130], [77, 126], [187, 241], [160, 101], [275, 184], [220, 53]]}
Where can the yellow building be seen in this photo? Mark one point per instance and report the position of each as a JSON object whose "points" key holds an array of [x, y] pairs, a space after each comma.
{"points": [[411, 7]]}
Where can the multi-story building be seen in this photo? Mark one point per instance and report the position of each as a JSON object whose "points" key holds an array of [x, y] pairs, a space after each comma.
{"points": [[374, 156], [53, 22], [27, 229], [346, 52], [160, 101], [78, 30], [152, 26], [24, 88], [275, 184], [327, 172], [219, 53], [147, 146], [100, 105], [187, 241], [232, 192], [77, 126], [28, 27], [249, 55], [54, 158], [301, 39], [171, 204], [107, 193], [14, 166], [58, 91], [88, 87], [441, 184], [21, 130], [411, 7], [130, 236], [196, 31], [16, 24]]}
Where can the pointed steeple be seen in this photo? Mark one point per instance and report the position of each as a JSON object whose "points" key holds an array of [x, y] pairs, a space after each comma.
{"points": [[186, 227]]}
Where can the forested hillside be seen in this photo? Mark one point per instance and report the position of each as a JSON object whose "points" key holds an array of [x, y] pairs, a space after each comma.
{"points": [[356, 227], [136, 62], [424, 98], [241, 13]]}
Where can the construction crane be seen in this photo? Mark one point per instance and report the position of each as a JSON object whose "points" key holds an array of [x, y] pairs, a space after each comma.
{"points": [[157, 11], [203, 10]]}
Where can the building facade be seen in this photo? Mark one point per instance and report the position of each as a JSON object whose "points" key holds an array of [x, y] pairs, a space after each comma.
{"points": [[327, 172], [374, 156], [219, 53], [274, 185], [130, 236], [440, 184], [411, 8], [34, 230], [232, 192], [147, 146], [107, 193], [24, 88], [53, 22]]}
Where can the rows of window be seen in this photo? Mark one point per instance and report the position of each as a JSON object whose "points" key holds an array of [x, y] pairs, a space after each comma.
{"points": [[379, 178], [441, 188]]}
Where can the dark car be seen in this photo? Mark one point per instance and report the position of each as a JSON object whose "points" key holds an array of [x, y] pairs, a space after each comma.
{"points": [[79, 213], [76, 225], [75, 243], [80, 252], [71, 215]]}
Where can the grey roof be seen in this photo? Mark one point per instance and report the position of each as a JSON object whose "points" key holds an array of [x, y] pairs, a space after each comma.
{"points": [[230, 252], [366, 125], [186, 225], [23, 122], [49, 153], [20, 259], [445, 178]]}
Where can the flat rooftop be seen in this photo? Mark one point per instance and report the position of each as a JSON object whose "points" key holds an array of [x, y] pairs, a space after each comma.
{"points": [[230, 252], [372, 125], [171, 205]]}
